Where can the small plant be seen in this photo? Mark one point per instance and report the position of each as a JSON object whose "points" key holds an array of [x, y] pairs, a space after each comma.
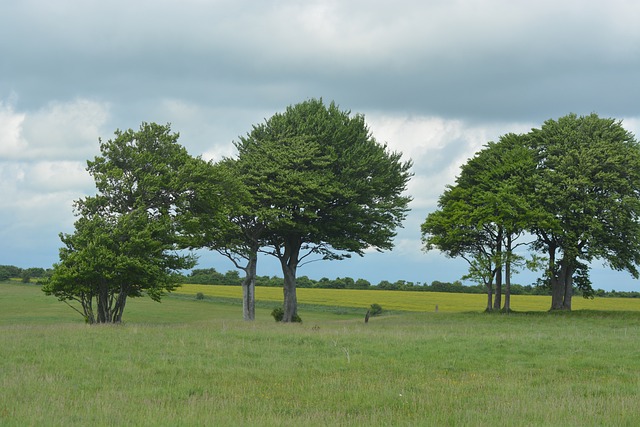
{"points": [[375, 310], [278, 314], [199, 295]]}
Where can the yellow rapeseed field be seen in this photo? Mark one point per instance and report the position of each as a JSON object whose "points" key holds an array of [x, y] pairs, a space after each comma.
{"points": [[408, 301]]}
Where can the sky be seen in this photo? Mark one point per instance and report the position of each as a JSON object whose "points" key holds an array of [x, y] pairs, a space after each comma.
{"points": [[435, 80]]}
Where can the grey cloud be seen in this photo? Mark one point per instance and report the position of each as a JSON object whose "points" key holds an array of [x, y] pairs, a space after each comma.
{"points": [[487, 60]]}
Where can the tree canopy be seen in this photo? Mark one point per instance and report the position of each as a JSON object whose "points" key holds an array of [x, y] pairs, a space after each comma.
{"points": [[322, 185], [587, 181], [481, 216]]}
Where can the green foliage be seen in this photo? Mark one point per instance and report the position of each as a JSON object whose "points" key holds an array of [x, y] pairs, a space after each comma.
{"points": [[209, 276], [199, 296], [572, 183], [586, 185], [125, 238], [322, 185], [487, 209], [375, 310], [278, 314], [9, 271], [25, 277]]}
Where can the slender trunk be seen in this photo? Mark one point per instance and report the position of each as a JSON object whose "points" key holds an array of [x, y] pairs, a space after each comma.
{"points": [[497, 302], [249, 288], [489, 284], [489, 296], [118, 309], [87, 308], [507, 276]]}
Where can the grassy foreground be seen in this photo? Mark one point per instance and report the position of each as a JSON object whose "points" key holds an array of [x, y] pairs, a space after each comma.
{"points": [[188, 362]]}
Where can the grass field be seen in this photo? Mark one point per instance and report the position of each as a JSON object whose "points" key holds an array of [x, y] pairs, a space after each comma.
{"points": [[188, 362]]}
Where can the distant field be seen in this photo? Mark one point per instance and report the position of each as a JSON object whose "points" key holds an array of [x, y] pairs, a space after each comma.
{"points": [[188, 362], [409, 301]]}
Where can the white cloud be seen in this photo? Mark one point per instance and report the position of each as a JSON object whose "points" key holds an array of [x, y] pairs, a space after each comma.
{"points": [[56, 176], [437, 146], [60, 131], [11, 141]]}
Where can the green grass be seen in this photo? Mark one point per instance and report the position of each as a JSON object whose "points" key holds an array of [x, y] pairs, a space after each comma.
{"points": [[186, 362]]}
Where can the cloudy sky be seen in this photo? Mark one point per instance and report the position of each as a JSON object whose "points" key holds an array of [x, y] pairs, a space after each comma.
{"points": [[435, 79]]}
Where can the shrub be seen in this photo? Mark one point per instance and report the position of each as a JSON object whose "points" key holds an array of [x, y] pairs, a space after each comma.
{"points": [[375, 309], [199, 295], [278, 314]]}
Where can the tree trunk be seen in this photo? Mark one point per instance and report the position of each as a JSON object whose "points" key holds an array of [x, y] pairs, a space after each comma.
{"points": [[87, 308], [497, 299], [557, 289], [507, 276], [562, 284], [556, 279], [489, 296], [103, 304], [249, 289], [568, 287], [290, 297], [118, 309], [497, 302], [289, 262]]}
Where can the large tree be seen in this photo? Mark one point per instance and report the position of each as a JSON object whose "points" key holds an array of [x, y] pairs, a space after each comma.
{"points": [[587, 182], [127, 236], [323, 185], [223, 217]]}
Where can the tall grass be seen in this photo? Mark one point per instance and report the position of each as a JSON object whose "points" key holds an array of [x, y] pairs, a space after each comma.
{"points": [[188, 362]]}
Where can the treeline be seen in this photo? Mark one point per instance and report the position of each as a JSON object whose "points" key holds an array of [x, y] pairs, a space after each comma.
{"points": [[25, 274], [210, 276]]}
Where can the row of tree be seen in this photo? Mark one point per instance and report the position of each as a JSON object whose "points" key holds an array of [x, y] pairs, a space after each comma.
{"points": [[309, 183], [210, 276], [232, 278], [568, 191], [312, 183], [26, 274]]}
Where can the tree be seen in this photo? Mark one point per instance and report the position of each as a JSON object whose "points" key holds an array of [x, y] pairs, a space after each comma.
{"points": [[9, 271], [586, 182], [108, 260], [126, 238], [224, 217], [324, 187], [480, 217]]}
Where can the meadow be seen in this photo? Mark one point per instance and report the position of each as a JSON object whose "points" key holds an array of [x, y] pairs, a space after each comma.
{"points": [[186, 362]]}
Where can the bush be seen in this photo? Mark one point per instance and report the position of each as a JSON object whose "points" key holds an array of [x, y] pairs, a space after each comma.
{"points": [[199, 295], [375, 309], [278, 314]]}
